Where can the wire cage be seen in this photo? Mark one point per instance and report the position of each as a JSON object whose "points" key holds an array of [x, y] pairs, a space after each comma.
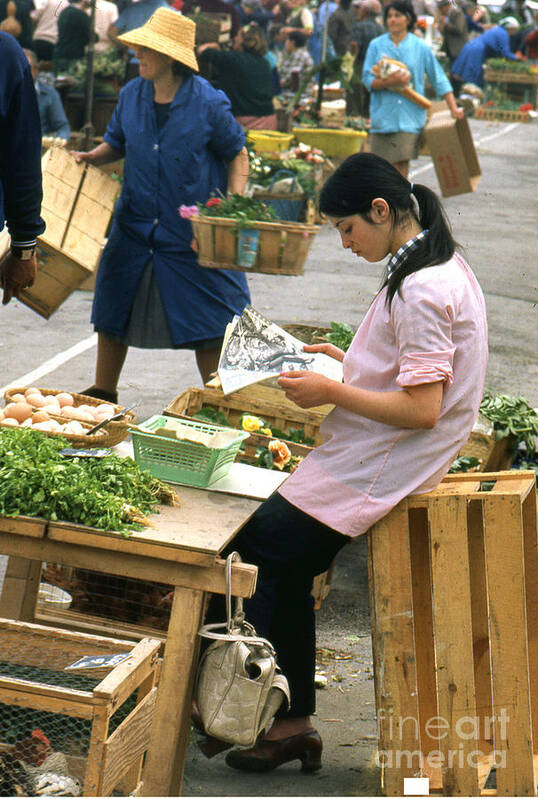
{"points": [[75, 711], [136, 607]]}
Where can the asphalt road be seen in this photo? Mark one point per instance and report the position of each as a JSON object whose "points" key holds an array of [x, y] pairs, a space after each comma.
{"points": [[497, 227]]}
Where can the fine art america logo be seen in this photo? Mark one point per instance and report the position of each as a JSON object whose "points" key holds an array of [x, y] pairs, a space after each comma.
{"points": [[393, 731]]}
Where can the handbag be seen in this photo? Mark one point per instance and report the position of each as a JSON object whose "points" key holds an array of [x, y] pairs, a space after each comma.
{"points": [[239, 686]]}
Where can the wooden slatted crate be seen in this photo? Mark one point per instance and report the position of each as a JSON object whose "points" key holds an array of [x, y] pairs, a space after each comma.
{"points": [[454, 607], [78, 202], [77, 720]]}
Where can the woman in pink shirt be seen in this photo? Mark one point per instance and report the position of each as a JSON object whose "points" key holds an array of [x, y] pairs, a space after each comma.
{"points": [[412, 387]]}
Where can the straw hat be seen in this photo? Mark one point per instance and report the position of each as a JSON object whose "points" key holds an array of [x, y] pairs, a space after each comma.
{"points": [[167, 32]]}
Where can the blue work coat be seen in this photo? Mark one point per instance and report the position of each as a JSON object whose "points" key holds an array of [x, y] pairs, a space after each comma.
{"points": [[468, 66], [181, 164], [390, 112]]}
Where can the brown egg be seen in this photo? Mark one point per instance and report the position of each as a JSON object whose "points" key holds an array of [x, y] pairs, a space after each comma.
{"points": [[40, 416], [105, 409], [37, 400], [64, 398], [18, 410], [18, 398], [9, 422], [32, 391]]}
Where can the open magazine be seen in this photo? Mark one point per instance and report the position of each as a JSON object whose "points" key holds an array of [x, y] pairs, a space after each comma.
{"points": [[255, 349]]}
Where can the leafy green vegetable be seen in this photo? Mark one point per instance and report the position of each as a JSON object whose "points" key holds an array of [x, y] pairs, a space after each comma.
{"points": [[296, 434], [464, 464], [211, 416], [244, 210], [110, 493], [341, 335], [511, 416]]}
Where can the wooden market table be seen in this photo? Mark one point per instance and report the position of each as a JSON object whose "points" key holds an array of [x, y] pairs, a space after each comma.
{"points": [[181, 550]]}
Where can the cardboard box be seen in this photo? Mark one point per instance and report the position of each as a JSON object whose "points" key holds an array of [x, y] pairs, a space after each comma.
{"points": [[78, 202], [454, 156]]}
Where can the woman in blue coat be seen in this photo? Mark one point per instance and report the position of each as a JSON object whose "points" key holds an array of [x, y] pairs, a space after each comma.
{"points": [[494, 43], [181, 144]]}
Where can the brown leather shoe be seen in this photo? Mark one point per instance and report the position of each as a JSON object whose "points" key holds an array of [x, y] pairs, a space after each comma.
{"points": [[267, 755], [207, 744]]}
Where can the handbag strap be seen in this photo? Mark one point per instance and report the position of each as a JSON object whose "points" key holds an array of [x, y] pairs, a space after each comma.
{"points": [[238, 616]]}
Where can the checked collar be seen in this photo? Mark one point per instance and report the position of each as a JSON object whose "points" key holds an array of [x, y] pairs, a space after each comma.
{"points": [[401, 254]]}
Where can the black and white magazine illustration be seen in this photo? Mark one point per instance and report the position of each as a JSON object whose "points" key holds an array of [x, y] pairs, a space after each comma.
{"points": [[255, 349]]}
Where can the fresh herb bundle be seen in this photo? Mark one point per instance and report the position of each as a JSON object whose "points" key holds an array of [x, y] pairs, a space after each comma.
{"points": [[235, 206], [511, 416], [110, 493]]}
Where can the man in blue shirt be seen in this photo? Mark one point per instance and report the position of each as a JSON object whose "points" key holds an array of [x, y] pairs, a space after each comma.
{"points": [[20, 167], [51, 111]]}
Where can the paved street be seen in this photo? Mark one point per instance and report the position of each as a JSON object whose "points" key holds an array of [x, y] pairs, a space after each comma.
{"points": [[497, 226]]}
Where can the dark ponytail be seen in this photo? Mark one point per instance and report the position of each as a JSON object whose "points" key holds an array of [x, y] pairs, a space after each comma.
{"points": [[363, 177]]}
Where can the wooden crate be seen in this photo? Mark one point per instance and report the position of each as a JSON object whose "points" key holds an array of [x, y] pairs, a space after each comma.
{"points": [[282, 250], [454, 608], [78, 202], [34, 691], [268, 403], [502, 115], [212, 27]]}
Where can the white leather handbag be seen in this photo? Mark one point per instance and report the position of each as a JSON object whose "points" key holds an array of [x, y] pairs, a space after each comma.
{"points": [[239, 686]]}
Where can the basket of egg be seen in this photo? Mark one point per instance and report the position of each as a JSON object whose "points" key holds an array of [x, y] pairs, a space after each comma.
{"points": [[65, 413]]}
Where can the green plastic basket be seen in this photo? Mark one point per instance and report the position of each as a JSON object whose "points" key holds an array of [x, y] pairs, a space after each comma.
{"points": [[184, 461]]}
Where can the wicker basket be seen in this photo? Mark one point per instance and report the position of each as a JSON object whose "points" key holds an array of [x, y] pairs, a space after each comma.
{"points": [[114, 432], [495, 454], [282, 249]]}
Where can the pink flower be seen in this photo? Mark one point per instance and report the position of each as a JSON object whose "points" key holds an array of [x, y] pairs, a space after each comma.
{"points": [[186, 211]]}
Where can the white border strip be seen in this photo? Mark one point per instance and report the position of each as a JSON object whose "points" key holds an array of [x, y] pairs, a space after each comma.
{"points": [[53, 363]]}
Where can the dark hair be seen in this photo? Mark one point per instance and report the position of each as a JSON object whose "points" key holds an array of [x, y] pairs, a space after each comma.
{"points": [[363, 177], [345, 4], [182, 70], [404, 7], [254, 40], [298, 38]]}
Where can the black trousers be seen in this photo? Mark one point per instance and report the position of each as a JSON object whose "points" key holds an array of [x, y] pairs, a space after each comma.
{"points": [[290, 548]]}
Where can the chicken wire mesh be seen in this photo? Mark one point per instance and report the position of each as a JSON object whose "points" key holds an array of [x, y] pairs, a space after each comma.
{"points": [[124, 599], [43, 751]]}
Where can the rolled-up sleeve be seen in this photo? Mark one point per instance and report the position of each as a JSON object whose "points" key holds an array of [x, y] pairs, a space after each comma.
{"points": [[423, 329]]}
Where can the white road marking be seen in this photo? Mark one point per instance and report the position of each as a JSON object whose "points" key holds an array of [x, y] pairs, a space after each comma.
{"points": [[53, 363]]}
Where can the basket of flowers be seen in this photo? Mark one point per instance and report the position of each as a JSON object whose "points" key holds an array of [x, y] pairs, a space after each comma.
{"points": [[242, 233]]}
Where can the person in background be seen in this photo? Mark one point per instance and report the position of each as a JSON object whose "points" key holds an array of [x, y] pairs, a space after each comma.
{"points": [[340, 25], [365, 28], [299, 19], [181, 145], [244, 75], [51, 111], [74, 32], [494, 43], [423, 8], [20, 168], [296, 62], [15, 19], [530, 43], [452, 25], [315, 41], [396, 123], [253, 11], [413, 379], [133, 16], [106, 14], [45, 19]]}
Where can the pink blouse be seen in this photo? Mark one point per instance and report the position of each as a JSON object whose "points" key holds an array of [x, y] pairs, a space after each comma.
{"points": [[436, 330]]}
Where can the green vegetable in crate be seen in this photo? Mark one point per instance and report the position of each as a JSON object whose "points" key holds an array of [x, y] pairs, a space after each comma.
{"points": [[511, 416], [467, 463], [109, 493], [341, 335]]}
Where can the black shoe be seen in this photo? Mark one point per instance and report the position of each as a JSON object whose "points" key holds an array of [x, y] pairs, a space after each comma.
{"points": [[267, 755], [99, 393]]}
